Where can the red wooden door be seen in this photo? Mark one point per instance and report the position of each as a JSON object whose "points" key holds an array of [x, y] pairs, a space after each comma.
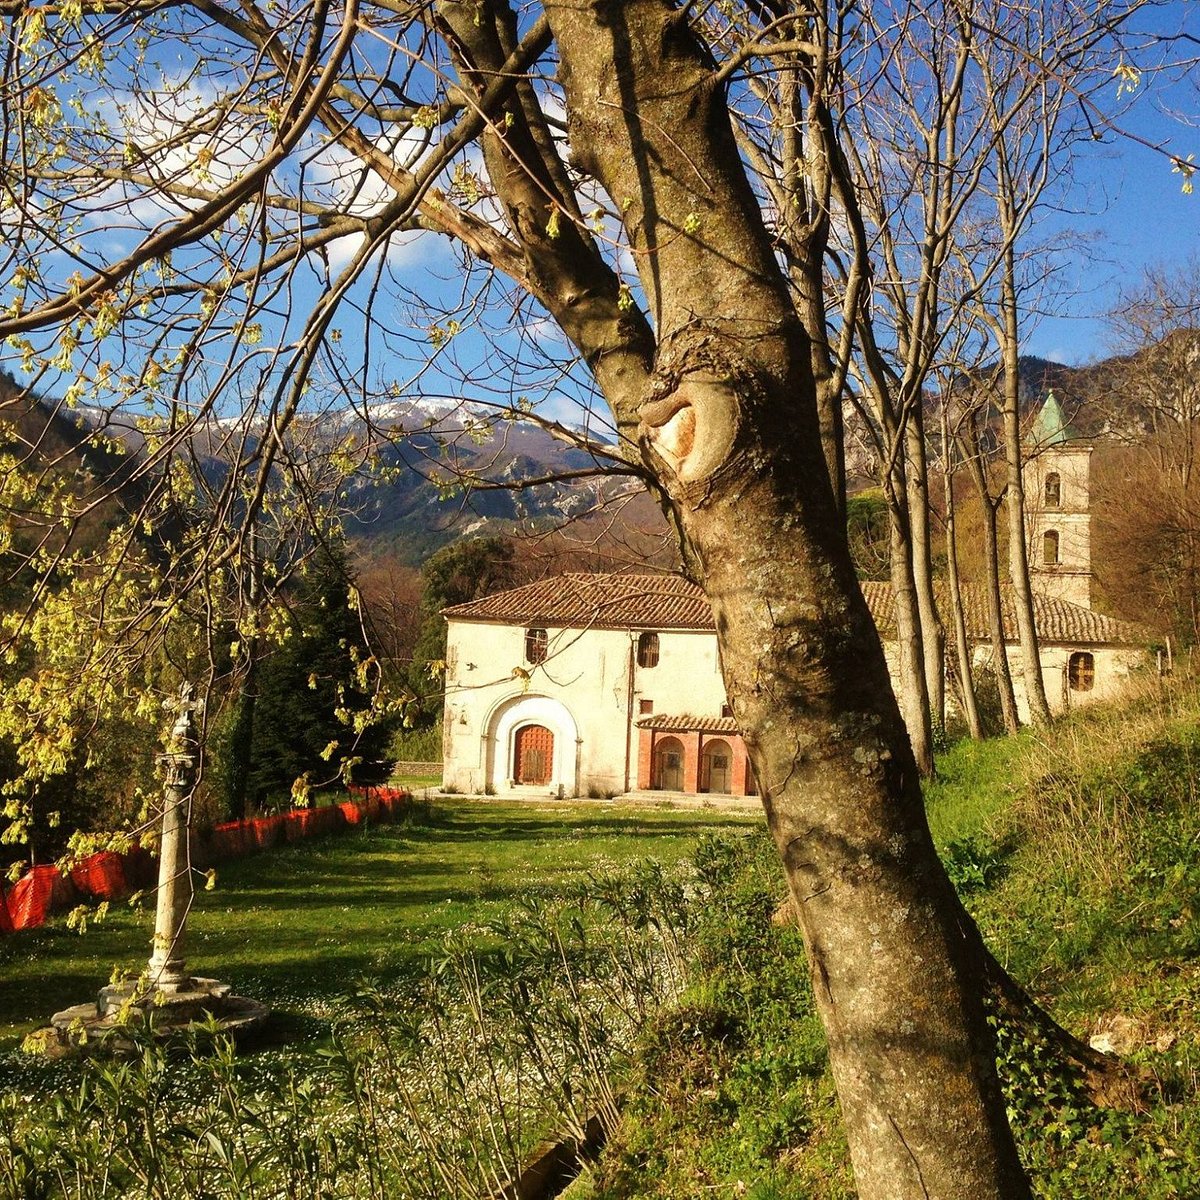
{"points": [[533, 754]]}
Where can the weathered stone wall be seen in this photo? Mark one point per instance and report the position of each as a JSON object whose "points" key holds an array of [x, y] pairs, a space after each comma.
{"points": [[418, 767]]}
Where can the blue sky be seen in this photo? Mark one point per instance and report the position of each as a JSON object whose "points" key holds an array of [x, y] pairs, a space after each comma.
{"points": [[1128, 211], [1140, 215]]}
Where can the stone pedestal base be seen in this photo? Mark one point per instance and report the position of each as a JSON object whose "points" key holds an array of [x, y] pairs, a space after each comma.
{"points": [[107, 1025]]}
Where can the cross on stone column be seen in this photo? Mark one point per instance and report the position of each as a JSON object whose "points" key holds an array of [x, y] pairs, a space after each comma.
{"points": [[168, 971], [174, 1000]]}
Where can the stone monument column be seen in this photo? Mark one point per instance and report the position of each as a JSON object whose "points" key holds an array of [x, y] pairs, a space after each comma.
{"points": [[167, 999], [167, 970]]}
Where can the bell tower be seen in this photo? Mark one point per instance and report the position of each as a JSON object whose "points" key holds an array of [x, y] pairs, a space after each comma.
{"points": [[1058, 522]]}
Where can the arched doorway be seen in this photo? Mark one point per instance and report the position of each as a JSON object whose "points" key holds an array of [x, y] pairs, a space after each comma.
{"points": [[716, 767], [559, 743], [533, 755], [668, 765]]}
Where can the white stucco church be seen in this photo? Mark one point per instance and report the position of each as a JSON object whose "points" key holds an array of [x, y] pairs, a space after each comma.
{"points": [[592, 684]]}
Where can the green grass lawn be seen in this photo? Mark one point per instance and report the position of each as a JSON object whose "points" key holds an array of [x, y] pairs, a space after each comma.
{"points": [[295, 927], [416, 783]]}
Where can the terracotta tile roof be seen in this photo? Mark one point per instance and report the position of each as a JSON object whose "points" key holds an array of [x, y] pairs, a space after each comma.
{"points": [[1058, 621], [596, 601], [688, 722]]}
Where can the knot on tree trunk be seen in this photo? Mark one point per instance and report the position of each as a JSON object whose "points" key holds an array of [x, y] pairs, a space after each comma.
{"points": [[693, 421]]}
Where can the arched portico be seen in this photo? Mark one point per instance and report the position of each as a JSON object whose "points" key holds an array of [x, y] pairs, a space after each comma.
{"points": [[518, 730]]}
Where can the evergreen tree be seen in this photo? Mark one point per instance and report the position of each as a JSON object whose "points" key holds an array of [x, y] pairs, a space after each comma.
{"points": [[303, 686]]}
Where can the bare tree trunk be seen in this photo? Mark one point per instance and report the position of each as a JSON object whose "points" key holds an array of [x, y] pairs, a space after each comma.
{"points": [[1018, 556], [962, 645], [991, 560], [729, 428], [933, 632], [1018, 552], [912, 691], [910, 656], [804, 220]]}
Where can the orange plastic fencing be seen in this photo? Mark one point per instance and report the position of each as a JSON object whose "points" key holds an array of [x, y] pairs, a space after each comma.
{"points": [[38, 893], [108, 876], [101, 875]]}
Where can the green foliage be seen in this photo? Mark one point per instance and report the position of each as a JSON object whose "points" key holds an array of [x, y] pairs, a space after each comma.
{"points": [[867, 527], [724, 1070], [1085, 891], [292, 926], [732, 1094], [435, 1084], [422, 744], [974, 863], [733, 1100], [987, 700]]}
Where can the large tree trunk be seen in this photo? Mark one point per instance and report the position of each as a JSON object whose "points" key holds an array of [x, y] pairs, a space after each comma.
{"points": [[729, 428]]}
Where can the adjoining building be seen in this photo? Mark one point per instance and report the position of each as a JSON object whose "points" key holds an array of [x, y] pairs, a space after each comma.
{"points": [[596, 685]]}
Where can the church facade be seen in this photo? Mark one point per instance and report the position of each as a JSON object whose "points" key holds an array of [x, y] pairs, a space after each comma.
{"points": [[598, 685], [602, 684]]}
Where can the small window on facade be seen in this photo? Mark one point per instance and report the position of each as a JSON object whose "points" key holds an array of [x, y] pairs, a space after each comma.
{"points": [[1081, 671], [1050, 547], [726, 711], [645, 706], [1053, 490], [647, 652], [535, 645]]}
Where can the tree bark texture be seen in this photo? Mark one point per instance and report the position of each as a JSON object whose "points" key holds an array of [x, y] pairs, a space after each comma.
{"points": [[933, 632], [962, 646], [912, 693], [729, 429]]}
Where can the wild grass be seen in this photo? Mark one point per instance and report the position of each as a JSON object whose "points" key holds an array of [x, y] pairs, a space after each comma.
{"points": [[296, 926], [976, 782], [1078, 851], [437, 1088]]}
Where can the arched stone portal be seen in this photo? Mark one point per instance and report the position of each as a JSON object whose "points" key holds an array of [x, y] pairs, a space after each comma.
{"points": [[716, 767], [532, 744]]}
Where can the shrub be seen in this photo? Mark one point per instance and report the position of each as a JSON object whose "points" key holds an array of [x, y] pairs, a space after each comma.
{"points": [[437, 1087], [416, 745]]}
